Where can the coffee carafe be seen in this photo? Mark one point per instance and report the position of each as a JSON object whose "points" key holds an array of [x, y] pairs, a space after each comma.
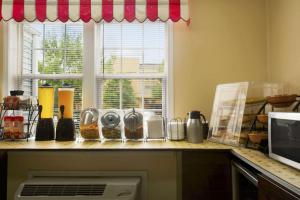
{"points": [[195, 127]]}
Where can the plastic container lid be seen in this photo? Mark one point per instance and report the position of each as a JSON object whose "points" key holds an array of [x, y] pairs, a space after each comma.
{"points": [[19, 118], [8, 118]]}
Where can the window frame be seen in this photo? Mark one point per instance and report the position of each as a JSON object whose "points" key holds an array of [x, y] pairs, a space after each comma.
{"points": [[13, 34]]}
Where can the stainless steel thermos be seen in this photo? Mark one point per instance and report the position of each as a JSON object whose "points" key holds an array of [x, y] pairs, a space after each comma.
{"points": [[195, 127]]}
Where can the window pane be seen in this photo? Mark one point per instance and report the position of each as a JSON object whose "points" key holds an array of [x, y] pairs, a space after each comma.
{"points": [[56, 48], [27, 53], [111, 94], [54, 35], [153, 94], [121, 94], [112, 61], [132, 35], [133, 45], [154, 39], [131, 60], [154, 56], [73, 61], [132, 49], [112, 35], [53, 62], [131, 93], [53, 48]]}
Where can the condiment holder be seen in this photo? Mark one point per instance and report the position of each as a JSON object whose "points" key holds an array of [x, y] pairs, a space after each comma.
{"points": [[155, 127], [176, 129]]}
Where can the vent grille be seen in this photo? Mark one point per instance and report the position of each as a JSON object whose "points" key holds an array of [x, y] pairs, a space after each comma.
{"points": [[63, 190]]}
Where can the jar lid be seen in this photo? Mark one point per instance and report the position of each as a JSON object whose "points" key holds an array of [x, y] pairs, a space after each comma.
{"points": [[89, 116], [110, 119]]}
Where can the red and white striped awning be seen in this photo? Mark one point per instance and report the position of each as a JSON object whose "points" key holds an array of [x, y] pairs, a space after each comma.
{"points": [[108, 10]]}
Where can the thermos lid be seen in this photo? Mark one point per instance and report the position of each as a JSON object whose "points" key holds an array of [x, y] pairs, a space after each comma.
{"points": [[194, 115]]}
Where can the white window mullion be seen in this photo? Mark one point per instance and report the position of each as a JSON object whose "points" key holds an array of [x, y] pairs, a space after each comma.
{"points": [[169, 96], [11, 53], [89, 66], [143, 93], [52, 76], [132, 76], [99, 50], [34, 67]]}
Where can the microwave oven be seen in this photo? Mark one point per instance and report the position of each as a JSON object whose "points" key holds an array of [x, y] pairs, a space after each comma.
{"points": [[284, 138]]}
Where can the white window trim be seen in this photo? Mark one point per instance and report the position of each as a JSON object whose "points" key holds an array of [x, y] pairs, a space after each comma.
{"points": [[10, 76], [169, 64], [11, 56], [89, 63]]}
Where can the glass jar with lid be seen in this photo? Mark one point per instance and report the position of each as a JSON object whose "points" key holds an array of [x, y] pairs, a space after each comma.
{"points": [[89, 129], [111, 125], [134, 127]]}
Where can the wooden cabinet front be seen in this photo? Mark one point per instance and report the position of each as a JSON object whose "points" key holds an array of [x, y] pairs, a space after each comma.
{"points": [[206, 175], [269, 190], [3, 174]]}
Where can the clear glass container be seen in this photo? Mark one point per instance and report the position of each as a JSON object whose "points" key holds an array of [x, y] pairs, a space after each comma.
{"points": [[89, 128], [66, 98], [112, 125], [46, 100], [134, 125]]}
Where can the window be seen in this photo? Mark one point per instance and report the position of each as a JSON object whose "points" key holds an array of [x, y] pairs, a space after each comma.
{"points": [[53, 53], [133, 71], [130, 67]]}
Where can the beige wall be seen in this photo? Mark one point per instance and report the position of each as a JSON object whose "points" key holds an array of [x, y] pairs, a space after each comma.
{"points": [[226, 42], [284, 42]]}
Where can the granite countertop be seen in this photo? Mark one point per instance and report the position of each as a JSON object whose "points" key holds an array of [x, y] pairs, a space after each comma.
{"points": [[108, 145], [285, 175], [281, 173]]}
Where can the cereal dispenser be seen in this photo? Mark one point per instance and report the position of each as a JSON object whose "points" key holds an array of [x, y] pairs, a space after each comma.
{"points": [[133, 121]]}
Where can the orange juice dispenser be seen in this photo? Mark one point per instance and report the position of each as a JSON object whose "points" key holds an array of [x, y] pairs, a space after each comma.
{"points": [[65, 130], [45, 126]]}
